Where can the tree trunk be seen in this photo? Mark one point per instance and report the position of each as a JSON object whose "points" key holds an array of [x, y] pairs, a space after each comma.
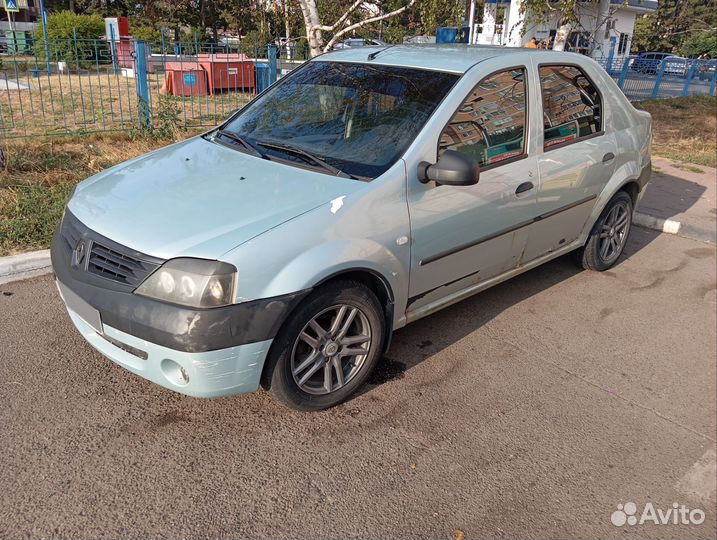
{"points": [[287, 29], [311, 23], [561, 36], [598, 40]]}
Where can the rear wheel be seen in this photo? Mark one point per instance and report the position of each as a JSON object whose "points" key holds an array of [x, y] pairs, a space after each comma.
{"points": [[609, 235], [328, 348]]}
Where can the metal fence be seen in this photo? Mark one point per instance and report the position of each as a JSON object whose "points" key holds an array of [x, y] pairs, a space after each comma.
{"points": [[77, 86], [672, 77]]}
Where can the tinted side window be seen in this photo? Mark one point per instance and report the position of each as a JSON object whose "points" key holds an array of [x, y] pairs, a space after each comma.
{"points": [[572, 108], [490, 124]]}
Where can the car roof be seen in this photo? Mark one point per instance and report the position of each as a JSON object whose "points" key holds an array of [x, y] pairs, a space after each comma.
{"points": [[454, 58]]}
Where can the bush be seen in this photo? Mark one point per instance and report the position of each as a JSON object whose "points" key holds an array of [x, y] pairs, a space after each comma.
{"points": [[72, 38], [145, 33], [254, 44], [700, 43]]}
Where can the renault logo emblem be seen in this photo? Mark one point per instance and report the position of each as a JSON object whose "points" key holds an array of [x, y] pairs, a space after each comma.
{"points": [[78, 255]]}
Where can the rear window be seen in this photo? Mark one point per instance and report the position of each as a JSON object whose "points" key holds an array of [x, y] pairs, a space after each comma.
{"points": [[572, 107]]}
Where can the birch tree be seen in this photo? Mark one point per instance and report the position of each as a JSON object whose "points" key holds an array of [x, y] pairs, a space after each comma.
{"points": [[315, 28], [537, 12]]}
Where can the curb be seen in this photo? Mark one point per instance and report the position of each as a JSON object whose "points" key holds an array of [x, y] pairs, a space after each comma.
{"points": [[24, 266], [670, 226]]}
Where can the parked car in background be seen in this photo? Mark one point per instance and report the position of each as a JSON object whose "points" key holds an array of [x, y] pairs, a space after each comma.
{"points": [[367, 189], [676, 65], [419, 39], [705, 70], [648, 62], [359, 42]]}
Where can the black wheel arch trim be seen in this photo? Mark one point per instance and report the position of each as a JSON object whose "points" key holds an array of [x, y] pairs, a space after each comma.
{"points": [[388, 306]]}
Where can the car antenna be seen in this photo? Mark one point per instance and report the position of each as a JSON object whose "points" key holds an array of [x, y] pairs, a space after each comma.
{"points": [[374, 54]]}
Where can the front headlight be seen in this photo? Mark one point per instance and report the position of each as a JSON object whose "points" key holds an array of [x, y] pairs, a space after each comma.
{"points": [[192, 282]]}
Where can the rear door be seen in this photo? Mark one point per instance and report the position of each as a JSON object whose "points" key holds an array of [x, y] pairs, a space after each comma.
{"points": [[577, 159]]}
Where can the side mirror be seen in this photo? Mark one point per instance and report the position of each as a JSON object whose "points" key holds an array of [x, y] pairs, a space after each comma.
{"points": [[452, 169]]}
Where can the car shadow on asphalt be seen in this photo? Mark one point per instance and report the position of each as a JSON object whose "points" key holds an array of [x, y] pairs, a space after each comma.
{"points": [[428, 336], [668, 195]]}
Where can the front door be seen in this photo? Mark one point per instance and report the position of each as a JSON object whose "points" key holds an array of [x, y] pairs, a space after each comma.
{"points": [[577, 161], [463, 235]]}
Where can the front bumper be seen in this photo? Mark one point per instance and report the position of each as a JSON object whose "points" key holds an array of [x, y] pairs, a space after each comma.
{"points": [[199, 352], [224, 372]]}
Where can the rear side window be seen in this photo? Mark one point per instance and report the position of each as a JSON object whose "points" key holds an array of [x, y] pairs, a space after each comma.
{"points": [[572, 107], [490, 123]]}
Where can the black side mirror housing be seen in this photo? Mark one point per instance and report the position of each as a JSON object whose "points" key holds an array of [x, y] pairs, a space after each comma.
{"points": [[452, 169]]}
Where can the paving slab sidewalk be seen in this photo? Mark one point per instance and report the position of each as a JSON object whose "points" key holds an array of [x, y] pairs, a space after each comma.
{"points": [[676, 201], [680, 200]]}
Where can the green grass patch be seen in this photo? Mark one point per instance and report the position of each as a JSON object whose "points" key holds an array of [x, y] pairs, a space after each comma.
{"points": [[29, 215], [687, 167]]}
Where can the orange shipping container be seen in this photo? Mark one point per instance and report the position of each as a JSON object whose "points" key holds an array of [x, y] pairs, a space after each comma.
{"points": [[185, 79], [228, 71]]}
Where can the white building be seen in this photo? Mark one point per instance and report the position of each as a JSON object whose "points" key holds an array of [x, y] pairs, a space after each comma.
{"points": [[612, 22]]}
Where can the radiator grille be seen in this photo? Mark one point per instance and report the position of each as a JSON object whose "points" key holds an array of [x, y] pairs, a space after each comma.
{"points": [[107, 258]]}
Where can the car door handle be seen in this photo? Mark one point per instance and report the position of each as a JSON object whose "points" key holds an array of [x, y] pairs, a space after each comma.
{"points": [[525, 186], [607, 158]]}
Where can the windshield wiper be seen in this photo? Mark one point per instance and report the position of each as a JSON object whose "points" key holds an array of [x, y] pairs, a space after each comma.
{"points": [[236, 138], [308, 156]]}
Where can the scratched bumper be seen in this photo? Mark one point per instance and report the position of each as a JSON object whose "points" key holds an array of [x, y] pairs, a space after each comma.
{"points": [[223, 372]]}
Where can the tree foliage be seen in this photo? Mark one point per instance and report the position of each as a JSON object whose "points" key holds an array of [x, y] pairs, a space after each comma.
{"points": [[71, 37], [700, 43], [673, 24]]}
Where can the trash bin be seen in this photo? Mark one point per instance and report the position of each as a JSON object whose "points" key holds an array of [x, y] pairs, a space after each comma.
{"points": [[452, 35], [263, 79]]}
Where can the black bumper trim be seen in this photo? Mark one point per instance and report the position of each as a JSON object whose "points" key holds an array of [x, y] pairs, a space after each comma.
{"points": [[176, 327]]}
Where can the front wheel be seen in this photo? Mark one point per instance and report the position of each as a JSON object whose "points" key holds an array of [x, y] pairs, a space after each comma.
{"points": [[609, 235], [328, 347]]}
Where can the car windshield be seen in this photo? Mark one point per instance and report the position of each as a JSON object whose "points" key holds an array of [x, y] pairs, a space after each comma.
{"points": [[357, 118]]}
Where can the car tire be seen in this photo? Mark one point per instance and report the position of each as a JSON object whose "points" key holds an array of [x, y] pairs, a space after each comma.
{"points": [[308, 371], [609, 235]]}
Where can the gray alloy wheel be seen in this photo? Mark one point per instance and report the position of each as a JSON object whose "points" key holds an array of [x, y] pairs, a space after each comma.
{"points": [[608, 238], [327, 347], [614, 231], [331, 349]]}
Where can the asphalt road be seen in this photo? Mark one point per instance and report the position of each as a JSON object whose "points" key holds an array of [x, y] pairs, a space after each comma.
{"points": [[530, 410]]}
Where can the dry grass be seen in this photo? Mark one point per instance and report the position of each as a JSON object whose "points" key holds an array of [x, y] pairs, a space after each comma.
{"points": [[684, 129], [41, 174]]}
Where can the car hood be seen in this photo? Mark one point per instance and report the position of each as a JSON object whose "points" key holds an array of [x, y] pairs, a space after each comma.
{"points": [[199, 199]]}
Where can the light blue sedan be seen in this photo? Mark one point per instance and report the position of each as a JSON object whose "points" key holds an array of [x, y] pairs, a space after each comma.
{"points": [[367, 189]]}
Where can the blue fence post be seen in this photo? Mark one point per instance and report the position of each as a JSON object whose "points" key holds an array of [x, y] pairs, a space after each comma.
{"points": [[140, 57], [271, 53], [623, 73], [656, 88], [688, 79], [611, 55], [713, 83]]}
